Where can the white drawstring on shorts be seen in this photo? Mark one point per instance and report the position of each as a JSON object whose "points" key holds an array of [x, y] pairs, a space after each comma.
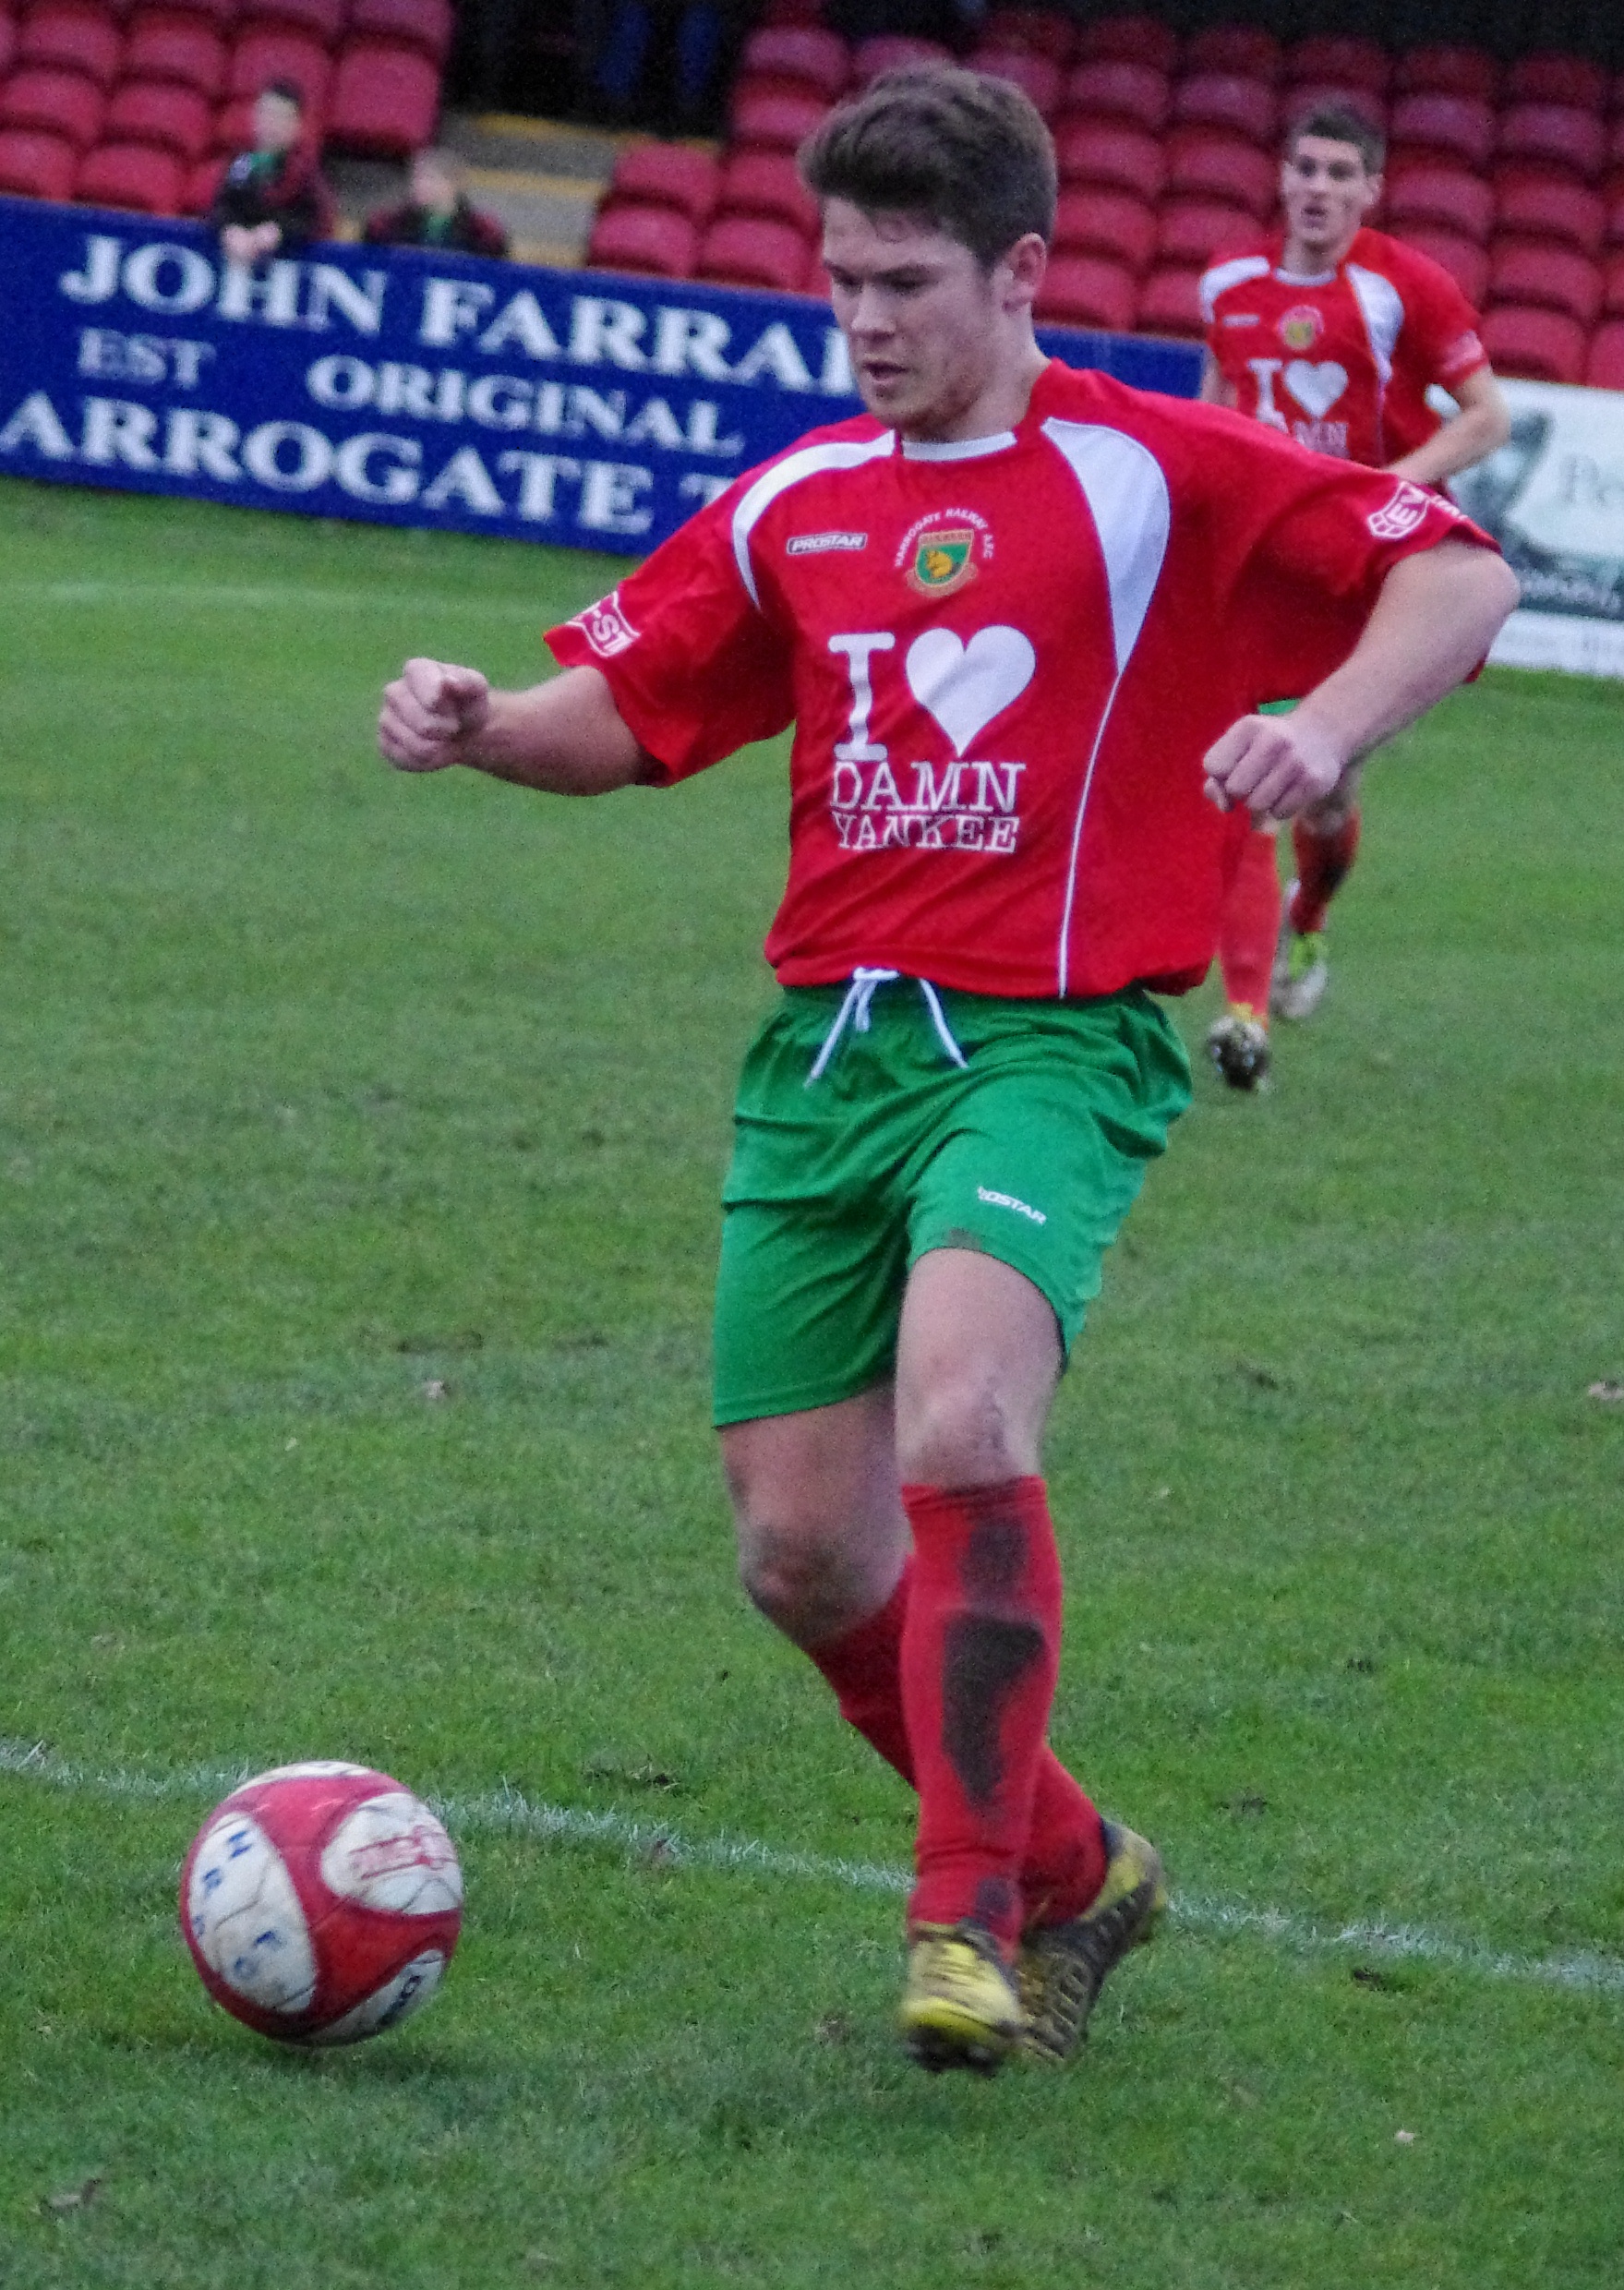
{"points": [[854, 1012]]}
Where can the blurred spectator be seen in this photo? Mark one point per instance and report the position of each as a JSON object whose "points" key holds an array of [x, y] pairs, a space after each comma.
{"points": [[437, 212], [657, 62], [273, 199]]}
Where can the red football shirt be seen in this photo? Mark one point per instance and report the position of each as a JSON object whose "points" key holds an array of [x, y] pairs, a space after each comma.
{"points": [[1005, 660], [1341, 362]]}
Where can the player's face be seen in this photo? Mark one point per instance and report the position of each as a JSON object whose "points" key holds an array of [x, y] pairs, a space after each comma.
{"points": [[928, 329], [1327, 192], [276, 123]]}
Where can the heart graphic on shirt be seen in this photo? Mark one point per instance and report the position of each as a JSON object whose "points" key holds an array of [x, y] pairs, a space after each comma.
{"points": [[1316, 388], [965, 685]]}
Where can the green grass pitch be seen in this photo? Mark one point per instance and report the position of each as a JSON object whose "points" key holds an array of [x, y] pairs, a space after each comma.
{"points": [[359, 1143]]}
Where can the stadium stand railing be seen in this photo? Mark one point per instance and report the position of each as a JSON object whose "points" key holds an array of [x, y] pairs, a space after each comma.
{"points": [[1510, 176], [141, 106]]}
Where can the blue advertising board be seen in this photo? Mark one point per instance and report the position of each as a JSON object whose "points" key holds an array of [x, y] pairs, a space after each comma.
{"points": [[409, 388]]}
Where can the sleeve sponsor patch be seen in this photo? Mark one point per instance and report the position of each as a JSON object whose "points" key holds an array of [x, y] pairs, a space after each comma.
{"points": [[606, 627], [1398, 517]]}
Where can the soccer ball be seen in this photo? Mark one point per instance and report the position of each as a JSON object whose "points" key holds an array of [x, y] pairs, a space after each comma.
{"points": [[321, 1903]]}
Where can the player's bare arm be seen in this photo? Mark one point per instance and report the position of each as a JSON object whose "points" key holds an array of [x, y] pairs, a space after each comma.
{"points": [[1215, 390], [564, 736], [1434, 619], [1481, 427]]}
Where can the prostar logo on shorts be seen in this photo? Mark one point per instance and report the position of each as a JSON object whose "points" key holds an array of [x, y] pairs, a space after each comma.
{"points": [[606, 627], [1397, 518], [1300, 328]]}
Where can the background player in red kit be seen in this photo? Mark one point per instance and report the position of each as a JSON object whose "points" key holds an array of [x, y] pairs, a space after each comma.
{"points": [[1020, 618], [1332, 334]]}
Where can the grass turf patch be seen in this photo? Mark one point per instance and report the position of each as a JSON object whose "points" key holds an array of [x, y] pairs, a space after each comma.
{"points": [[359, 1140]]}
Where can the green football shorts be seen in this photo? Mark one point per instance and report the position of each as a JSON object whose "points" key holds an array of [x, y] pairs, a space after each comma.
{"points": [[1031, 1150]]}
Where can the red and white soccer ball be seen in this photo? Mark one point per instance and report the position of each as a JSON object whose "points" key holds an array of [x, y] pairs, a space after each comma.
{"points": [[321, 1903]]}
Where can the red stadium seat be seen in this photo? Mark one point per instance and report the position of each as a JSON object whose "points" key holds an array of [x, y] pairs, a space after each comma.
{"points": [[780, 118], [426, 24], [1036, 76], [1614, 202], [1041, 29], [36, 166], [657, 241], [1113, 90], [1535, 271], [222, 15], [1604, 367], [1560, 134], [1128, 40], [268, 51], [165, 44], [891, 52], [1541, 345], [802, 54], [743, 250], [385, 99], [1616, 143], [1547, 77], [1221, 100], [1472, 72], [156, 112], [1613, 287], [1315, 95], [322, 20], [1543, 205], [233, 126], [202, 182], [1465, 259], [8, 41], [1245, 49], [778, 12], [1086, 290], [1458, 126], [72, 35], [1445, 197], [1193, 230], [1170, 303], [1105, 222], [668, 174], [131, 174], [1204, 163], [766, 183], [1113, 153], [1341, 60], [56, 103]]}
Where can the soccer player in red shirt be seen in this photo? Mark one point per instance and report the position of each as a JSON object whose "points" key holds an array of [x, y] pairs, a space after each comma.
{"points": [[1332, 334], [1020, 619]]}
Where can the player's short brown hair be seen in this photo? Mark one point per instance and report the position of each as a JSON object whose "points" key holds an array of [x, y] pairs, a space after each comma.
{"points": [[969, 152], [1340, 122]]}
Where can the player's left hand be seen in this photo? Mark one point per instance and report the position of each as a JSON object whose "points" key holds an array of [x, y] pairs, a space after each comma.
{"points": [[1276, 766]]}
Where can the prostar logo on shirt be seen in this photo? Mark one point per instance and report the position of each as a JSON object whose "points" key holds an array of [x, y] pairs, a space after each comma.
{"points": [[606, 627], [814, 544]]}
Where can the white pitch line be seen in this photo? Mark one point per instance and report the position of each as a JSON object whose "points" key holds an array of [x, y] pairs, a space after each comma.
{"points": [[166, 596], [508, 1812]]}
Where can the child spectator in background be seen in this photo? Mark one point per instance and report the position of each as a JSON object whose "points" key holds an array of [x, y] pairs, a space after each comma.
{"points": [[273, 199], [437, 212]]}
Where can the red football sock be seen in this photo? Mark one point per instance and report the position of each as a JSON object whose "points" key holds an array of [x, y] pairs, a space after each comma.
{"points": [[981, 1651], [1065, 1864], [1250, 923], [1323, 862]]}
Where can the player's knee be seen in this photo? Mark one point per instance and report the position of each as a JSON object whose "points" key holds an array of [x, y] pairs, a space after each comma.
{"points": [[961, 1433], [799, 1582]]}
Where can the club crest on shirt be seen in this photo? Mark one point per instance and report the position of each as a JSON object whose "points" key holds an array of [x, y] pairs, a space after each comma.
{"points": [[943, 560], [1301, 326], [606, 627]]}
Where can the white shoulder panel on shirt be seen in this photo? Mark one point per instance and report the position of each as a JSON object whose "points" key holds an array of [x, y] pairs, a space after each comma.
{"points": [[1125, 488], [811, 462], [1223, 275], [1382, 307]]}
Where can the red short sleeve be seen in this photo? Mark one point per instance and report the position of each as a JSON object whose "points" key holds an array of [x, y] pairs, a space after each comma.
{"points": [[695, 669]]}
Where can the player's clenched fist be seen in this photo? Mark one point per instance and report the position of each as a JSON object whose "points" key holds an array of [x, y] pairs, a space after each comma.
{"points": [[1275, 766], [432, 715]]}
